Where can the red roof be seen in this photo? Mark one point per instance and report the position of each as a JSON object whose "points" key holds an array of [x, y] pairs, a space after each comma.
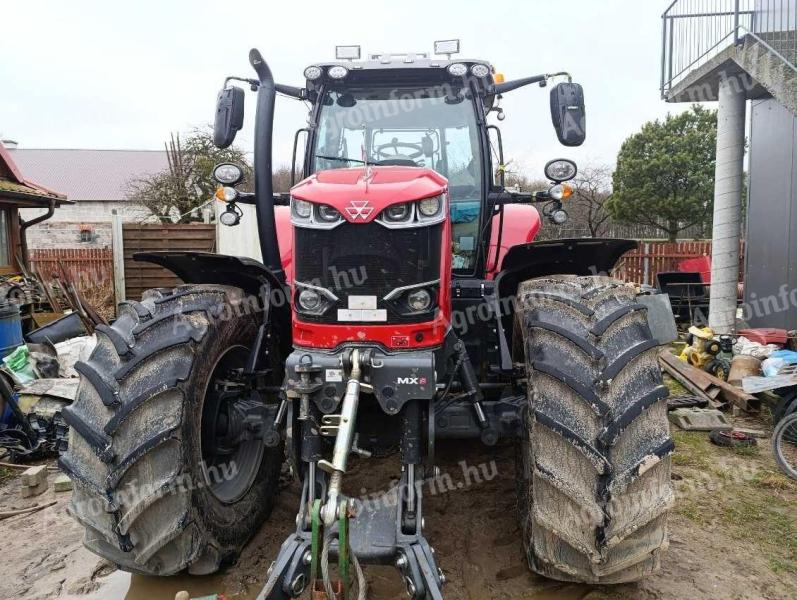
{"points": [[14, 184]]}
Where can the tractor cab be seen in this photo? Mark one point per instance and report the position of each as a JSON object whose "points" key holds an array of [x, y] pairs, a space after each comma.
{"points": [[412, 110]]}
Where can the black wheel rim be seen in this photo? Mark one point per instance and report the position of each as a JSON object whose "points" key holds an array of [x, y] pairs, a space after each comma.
{"points": [[785, 443], [229, 471]]}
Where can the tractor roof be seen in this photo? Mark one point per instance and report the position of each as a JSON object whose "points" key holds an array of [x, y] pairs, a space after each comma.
{"points": [[400, 69]]}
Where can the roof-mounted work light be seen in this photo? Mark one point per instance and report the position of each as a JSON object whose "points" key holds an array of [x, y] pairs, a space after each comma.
{"points": [[347, 52], [447, 47]]}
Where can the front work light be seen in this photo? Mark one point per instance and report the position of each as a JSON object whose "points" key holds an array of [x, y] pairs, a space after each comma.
{"points": [[228, 174], [446, 47], [337, 72], [231, 216], [480, 70], [457, 69], [312, 72]]}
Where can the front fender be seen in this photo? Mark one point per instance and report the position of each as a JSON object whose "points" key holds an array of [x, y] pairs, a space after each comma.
{"points": [[584, 256], [245, 273]]}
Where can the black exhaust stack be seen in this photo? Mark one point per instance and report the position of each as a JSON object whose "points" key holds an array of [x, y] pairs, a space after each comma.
{"points": [[264, 188]]}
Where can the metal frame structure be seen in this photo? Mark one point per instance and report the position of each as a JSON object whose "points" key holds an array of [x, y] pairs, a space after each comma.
{"points": [[696, 31]]}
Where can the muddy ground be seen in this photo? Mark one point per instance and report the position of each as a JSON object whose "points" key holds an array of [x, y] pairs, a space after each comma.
{"points": [[733, 536]]}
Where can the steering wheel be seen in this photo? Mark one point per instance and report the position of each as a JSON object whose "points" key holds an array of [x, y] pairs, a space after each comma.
{"points": [[383, 154]]}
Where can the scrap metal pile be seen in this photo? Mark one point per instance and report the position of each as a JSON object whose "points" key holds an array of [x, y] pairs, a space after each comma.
{"points": [[45, 327], [743, 372]]}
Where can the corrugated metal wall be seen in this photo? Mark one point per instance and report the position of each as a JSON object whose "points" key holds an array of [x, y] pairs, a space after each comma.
{"points": [[772, 217]]}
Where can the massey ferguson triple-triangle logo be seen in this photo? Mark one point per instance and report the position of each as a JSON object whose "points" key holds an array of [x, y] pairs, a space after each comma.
{"points": [[359, 209]]}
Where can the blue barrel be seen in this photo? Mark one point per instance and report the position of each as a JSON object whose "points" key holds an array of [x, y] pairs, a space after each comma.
{"points": [[10, 328]]}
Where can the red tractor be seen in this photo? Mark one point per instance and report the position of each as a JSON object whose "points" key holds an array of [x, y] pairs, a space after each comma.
{"points": [[401, 299]]}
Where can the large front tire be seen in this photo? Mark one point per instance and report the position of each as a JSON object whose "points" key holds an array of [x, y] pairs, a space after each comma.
{"points": [[150, 497], [594, 467]]}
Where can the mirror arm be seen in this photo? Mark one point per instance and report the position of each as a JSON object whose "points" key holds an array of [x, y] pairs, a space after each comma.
{"points": [[280, 199], [501, 197], [292, 91], [500, 88], [287, 90]]}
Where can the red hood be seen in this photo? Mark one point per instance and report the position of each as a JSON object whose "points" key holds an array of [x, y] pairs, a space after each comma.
{"points": [[379, 186]]}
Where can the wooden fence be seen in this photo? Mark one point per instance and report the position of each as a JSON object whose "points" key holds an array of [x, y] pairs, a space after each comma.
{"points": [[93, 268], [642, 265], [90, 268], [140, 276]]}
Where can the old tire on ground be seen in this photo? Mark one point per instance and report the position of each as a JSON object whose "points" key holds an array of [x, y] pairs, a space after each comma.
{"points": [[149, 499], [594, 468]]}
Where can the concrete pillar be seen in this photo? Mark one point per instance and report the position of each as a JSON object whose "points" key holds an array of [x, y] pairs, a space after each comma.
{"points": [[727, 205]]}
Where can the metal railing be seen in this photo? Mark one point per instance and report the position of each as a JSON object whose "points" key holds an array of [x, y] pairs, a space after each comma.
{"points": [[696, 31]]}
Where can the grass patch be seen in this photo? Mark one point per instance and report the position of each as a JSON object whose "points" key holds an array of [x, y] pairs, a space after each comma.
{"points": [[5, 474], [759, 512], [693, 511], [770, 480], [746, 451], [692, 449], [780, 566], [766, 520], [676, 389]]}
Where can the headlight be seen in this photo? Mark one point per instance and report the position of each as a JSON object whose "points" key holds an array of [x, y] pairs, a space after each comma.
{"points": [[309, 300], [228, 173], [561, 170], [226, 194], [430, 206], [301, 208], [561, 191], [479, 70], [337, 72], [419, 300], [457, 69], [312, 73], [397, 213], [328, 214]]}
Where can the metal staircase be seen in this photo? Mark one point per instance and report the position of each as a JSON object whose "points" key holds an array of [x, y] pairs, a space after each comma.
{"points": [[706, 40]]}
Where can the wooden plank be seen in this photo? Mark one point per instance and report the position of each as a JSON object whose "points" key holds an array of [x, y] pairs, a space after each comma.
{"points": [[705, 381]]}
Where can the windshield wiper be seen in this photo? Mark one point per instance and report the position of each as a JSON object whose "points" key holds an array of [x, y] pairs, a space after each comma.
{"points": [[341, 159]]}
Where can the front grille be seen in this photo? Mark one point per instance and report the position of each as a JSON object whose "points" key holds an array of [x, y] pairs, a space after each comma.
{"points": [[367, 260]]}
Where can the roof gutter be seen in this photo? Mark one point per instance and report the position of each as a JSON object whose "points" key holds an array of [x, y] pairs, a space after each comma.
{"points": [[23, 232]]}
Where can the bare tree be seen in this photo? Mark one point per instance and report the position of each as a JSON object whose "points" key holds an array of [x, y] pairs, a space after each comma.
{"points": [[178, 193], [593, 186]]}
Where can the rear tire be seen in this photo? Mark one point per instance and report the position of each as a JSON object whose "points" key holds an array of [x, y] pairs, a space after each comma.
{"points": [[149, 500], [594, 469]]}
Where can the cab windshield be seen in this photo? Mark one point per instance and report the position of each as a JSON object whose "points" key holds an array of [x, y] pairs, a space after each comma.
{"points": [[434, 128]]}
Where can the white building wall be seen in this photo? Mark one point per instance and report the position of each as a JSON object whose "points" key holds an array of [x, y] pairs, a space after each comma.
{"points": [[86, 224]]}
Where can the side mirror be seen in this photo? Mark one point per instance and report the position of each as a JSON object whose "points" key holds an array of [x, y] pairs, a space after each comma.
{"points": [[229, 116], [568, 113]]}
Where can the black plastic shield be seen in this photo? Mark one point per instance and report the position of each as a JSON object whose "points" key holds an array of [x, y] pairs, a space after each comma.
{"points": [[569, 114], [229, 116]]}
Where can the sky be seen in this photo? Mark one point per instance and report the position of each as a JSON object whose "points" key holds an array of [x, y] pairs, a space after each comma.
{"points": [[100, 74]]}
